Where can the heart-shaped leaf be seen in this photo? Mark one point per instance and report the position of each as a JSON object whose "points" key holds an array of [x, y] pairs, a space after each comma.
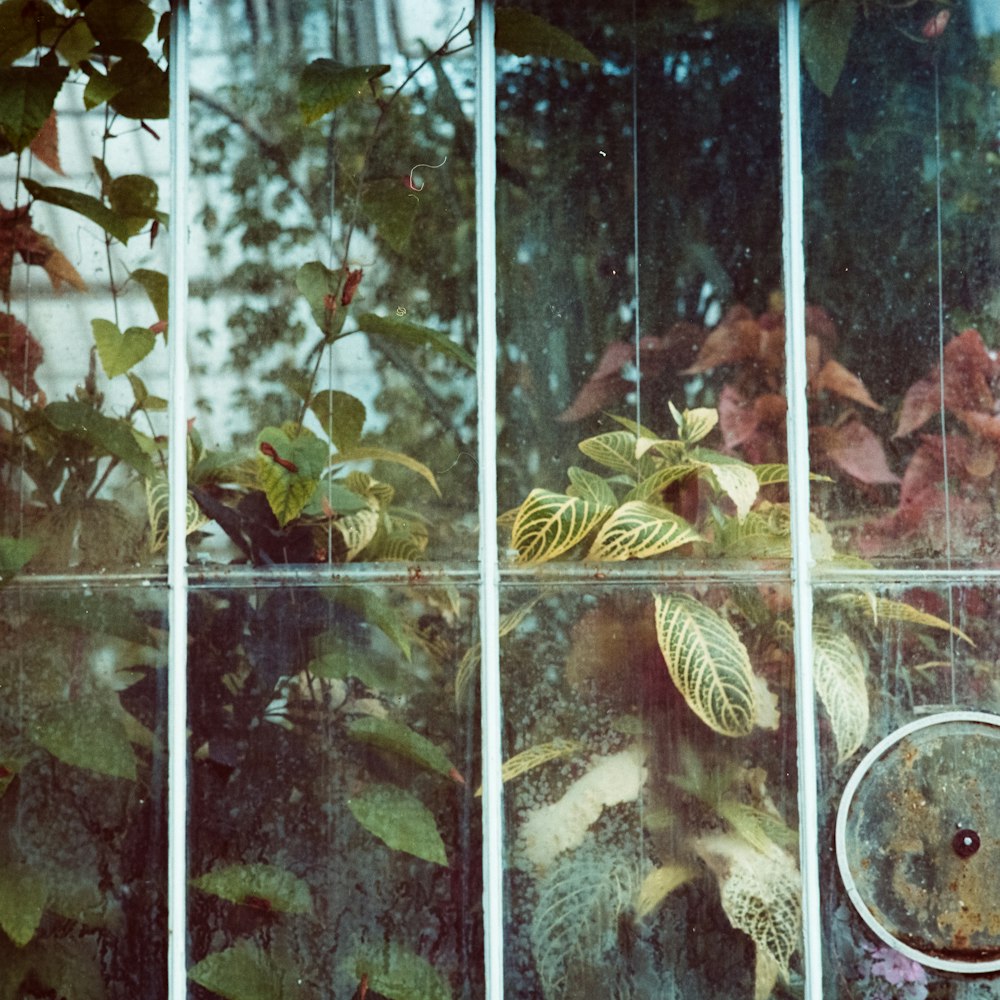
{"points": [[393, 209], [325, 85], [27, 94], [246, 972], [321, 287], [527, 34], [397, 973], [120, 351], [341, 415]]}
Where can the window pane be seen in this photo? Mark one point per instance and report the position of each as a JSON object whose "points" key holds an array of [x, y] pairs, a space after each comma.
{"points": [[83, 287], [901, 196], [333, 271], [334, 829], [652, 808], [82, 793]]}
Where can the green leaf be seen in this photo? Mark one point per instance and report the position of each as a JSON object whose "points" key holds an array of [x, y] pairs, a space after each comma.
{"points": [[730, 476], [120, 351], [23, 895], [774, 472], [15, 554], [141, 89], [397, 973], [113, 437], [134, 197], [247, 972], [377, 672], [27, 95], [639, 530], [89, 734], [399, 819], [113, 21], [693, 425], [157, 287], [364, 453], [83, 204], [20, 29], [290, 462], [392, 207], [526, 34], [321, 288], [708, 663], [409, 334], [589, 486], [826, 35], [550, 524], [99, 614], [341, 415], [325, 85], [617, 451], [258, 884], [655, 484], [900, 611], [399, 739], [841, 684], [376, 612]]}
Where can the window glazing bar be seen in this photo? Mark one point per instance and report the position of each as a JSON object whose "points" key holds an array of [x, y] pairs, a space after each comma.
{"points": [[177, 777], [489, 558], [798, 460]]}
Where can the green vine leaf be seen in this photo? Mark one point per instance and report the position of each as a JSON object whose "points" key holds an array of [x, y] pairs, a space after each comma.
{"points": [[114, 21], [83, 204], [89, 734], [826, 35], [156, 286], [708, 663], [386, 734], [639, 530], [397, 973], [549, 524], [121, 351], [321, 288], [526, 34], [290, 462], [113, 437], [414, 335], [392, 207], [325, 85], [27, 95], [23, 897], [841, 686], [262, 885], [400, 820], [15, 554], [246, 972], [341, 415]]}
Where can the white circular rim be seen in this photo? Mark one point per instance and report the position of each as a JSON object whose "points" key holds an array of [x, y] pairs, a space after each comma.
{"points": [[878, 751]]}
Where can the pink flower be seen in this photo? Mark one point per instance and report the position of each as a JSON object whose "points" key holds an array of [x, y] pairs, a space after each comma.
{"points": [[895, 968]]}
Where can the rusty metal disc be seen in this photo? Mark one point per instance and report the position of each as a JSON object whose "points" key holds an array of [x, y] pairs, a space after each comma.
{"points": [[918, 841]]}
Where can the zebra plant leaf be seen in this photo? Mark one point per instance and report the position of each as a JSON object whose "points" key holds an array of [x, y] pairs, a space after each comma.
{"points": [[589, 486], [638, 530], [840, 683], [900, 611], [549, 524], [616, 450], [734, 478], [708, 663]]}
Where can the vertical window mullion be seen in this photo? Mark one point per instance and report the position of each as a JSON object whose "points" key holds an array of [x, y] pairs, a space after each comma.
{"points": [[177, 785], [489, 559], [798, 460]]}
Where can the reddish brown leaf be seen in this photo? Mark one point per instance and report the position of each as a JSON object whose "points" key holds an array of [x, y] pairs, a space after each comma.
{"points": [[834, 377], [20, 355], [728, 343], [855, 449], [59, 270], [45, 145], [986, 425], [934, 26]]}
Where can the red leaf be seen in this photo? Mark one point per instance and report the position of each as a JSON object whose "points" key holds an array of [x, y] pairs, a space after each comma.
{"points": [[45, 145], [934, 26], [856, 450], [834, 377], [20, 355]]}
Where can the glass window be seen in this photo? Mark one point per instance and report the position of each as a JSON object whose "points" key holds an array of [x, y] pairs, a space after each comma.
{"points": [[334, 665]]}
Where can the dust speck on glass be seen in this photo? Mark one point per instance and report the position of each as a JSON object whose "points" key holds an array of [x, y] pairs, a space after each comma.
{"points": [[671, 673]]}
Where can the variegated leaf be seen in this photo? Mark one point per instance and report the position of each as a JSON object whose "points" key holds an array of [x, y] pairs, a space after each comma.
{"points": [[658, 884], [615, 450], [157, 507], [639, 530], [899, 611], [840, 683], [774, 472], [734, 478], [708, 663], [589, 486], [541, 753], [549, 524], [357, 530], [660, 480], [760, 893], [672, 451], [693, 425]]}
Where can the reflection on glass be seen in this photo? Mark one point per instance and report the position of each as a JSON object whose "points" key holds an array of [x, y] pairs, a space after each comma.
{"points": [[651, 790], [901, 198], [886, 659], [82, 794], [334, 828], [83, 153], [333, 270]]}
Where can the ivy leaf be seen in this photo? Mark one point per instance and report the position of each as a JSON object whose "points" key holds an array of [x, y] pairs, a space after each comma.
{"points": [[89, 734], [15, 554], [325, 85], [526, 34], [114, 437], [392, 208], [397, 973], [258, 884], [399, 819], [841, 686], [549, 524], [289, 465], [409, 334], [83, 204], [341, 415], [639, 530], [121, 351], [246, 972], [399, 739], [708, 663], [826, 34], [27, 94], [23, 895]]}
